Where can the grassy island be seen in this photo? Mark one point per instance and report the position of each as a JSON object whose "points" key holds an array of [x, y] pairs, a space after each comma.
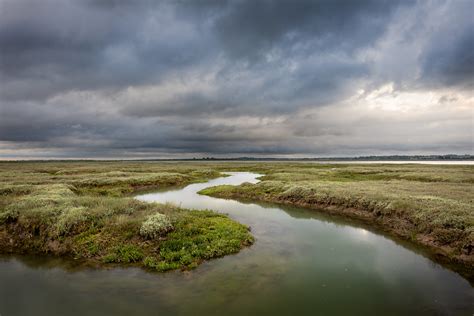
{"points": [[84, 210]]}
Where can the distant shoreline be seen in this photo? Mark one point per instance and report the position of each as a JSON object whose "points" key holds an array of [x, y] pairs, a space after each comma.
{"points": [[418, 159], [391, 162]]}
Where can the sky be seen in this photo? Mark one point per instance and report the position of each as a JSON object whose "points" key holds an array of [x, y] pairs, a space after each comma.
{"points": [[172, 79]]}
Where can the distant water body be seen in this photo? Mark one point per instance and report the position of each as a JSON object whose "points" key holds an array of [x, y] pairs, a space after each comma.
{"points": [[394, 162], [401, 162]]}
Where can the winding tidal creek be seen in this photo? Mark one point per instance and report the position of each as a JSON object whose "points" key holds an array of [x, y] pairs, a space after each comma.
{"points": [[302, 263]]}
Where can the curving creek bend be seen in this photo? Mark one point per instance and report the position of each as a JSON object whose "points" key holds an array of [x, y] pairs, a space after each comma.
{"points": [[302, 263]]}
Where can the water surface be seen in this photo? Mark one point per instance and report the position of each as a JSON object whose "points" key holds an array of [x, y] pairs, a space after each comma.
{"points": [[302, 263]]}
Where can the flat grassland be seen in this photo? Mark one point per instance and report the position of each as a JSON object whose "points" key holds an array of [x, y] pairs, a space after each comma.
{"points": [[85, 209]]}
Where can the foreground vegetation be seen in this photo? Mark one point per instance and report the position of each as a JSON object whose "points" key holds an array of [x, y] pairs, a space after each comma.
{"points": [[83, 210], [431, 205]]}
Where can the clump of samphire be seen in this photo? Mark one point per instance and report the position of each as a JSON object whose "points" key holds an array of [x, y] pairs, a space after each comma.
{"points": [[156, 225]]}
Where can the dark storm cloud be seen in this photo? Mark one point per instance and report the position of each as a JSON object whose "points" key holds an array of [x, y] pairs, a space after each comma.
{"points": [[102, 77], [452, 64], [250, 29], [102, 44], [66, 45], [281, 92]]}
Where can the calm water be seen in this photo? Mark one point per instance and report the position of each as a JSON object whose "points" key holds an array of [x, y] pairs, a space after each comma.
{"points": [[303, 263], [402, 162]]}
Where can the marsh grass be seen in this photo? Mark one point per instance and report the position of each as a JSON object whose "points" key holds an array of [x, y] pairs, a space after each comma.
{"points": [[429, 204], [83, 210]]}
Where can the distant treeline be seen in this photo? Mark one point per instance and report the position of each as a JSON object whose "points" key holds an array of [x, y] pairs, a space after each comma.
{"points": [[359, 158]]}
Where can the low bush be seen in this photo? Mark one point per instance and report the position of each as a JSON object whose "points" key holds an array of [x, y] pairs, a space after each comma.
{"points": [[155, 225]]}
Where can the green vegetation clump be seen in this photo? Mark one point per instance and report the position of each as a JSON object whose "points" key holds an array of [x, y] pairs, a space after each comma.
{"points": [[82, 210], [124, 254], [204, 234], [200, 235]]}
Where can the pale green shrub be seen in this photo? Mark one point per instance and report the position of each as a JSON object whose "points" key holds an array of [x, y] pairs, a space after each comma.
{"points": [[155, 225]]}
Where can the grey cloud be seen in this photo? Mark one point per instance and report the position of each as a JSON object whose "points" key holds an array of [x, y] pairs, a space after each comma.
{"points": [[447, 59], [452, 65], [251, 29], [97, 44], [64, 45], [105, 78], [268, 89]]}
